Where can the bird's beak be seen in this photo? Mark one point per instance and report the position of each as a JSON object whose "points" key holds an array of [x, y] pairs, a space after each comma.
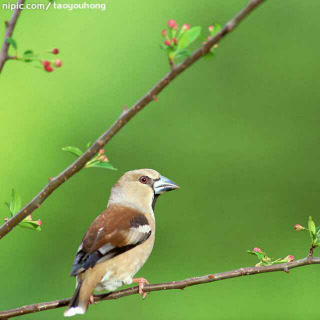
{"points": [[163, 185]]}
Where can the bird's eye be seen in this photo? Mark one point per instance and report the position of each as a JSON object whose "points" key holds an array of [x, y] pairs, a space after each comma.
{"points": [[143, 180]]}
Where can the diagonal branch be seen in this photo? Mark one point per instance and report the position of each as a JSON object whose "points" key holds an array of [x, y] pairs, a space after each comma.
{"points": [[123, 119], [164, 286], [8, 34]]}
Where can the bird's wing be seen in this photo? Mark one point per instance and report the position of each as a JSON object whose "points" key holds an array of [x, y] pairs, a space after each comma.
{"points": [[115, 231]]}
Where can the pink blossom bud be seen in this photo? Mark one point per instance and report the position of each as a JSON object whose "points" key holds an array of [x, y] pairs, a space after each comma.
{"points": [[164, 32], [104, 158], [186, 26], [167, 43], [175, 41], [257, 250], [39, 223], [46, 63], [289, 258], [29, 217], [298, 227], [48, 68], [211, 28], [172, 24], [55, 51], [101, 151], [58, 63]]}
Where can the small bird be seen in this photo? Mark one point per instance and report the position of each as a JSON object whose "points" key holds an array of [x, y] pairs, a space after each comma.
{"points": [[120, 239]]}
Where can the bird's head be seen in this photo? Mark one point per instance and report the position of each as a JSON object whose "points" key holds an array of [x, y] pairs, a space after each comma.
{"points": [[140, 189]]}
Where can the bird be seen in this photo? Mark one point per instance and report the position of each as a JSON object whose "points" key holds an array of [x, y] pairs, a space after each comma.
{"points": [[120, 239]]}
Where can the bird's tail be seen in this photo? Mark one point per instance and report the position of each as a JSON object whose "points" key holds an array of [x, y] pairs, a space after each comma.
{"points": [[75, 307]]}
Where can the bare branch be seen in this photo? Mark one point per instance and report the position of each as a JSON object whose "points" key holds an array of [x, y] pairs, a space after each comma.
{"points": [[285, 267], [76, 166], [10, 25]]}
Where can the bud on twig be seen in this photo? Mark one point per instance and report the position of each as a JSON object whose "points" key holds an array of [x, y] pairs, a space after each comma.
{"points": [[210, 28], [186, 27], [175, 41], [289, 258], [172, 24], [298, 227], [58, 63], [257, 250], [55, 51], [167, 43], [164, 32]]}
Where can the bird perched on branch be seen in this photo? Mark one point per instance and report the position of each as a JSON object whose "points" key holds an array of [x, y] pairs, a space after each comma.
{"points": [[120, 239]]}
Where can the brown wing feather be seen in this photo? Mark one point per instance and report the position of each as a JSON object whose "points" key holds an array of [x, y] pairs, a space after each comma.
{"points": [[115, 231]]}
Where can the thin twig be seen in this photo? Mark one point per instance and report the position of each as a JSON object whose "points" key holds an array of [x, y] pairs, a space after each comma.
{"points": [[54, 183], [8, 34], [285, 267]]}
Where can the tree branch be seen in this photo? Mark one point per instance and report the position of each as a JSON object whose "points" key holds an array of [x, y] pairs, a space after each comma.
{"points": [[165, 286], [122, 120], [8, 34]]}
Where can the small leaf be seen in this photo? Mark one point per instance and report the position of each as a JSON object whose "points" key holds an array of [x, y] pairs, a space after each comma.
{"points": [[28, 54], [164, 47], [259, 255], [312, 228], [30, 225], [15, 204], [89, 144], [74, 150], [188, 37], [105, 165], [182, 53], [210, 55], [216, 28], [12, 42], [7, 204]]}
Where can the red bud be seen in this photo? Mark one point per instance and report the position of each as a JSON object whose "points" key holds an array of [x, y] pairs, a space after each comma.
{"points": [[58, 63], [211, 28], [175, 41], [46, 63], [167, 43], [257, 250], [172, 24], [164, 32], [55, 51], [298, 227], [186, 26]]}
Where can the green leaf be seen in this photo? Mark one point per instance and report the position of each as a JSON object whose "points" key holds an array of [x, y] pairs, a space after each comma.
{"points": [[259, 255], [312, 229], [28, 54], [74, 150], [216, 28], [182, 54], [104, 165], [89, 144], [15, 203], [7, 204], [164, 47], [188, 37], [12, 42], [210, 55], [29, 225]]}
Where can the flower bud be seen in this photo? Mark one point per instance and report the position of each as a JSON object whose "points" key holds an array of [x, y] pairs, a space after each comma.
{"points": [[186, 27], [103, 158], [58, 63], [167, 43], [101, 151], [211, 28], [257, 250], [55, 51], [164, 32], [46, 63], [289, 258], [175, 41], [48, 68], [298, 227], [172, 24], [39, 223]]}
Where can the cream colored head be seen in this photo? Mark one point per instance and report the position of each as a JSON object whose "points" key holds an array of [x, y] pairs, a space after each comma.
{"points": [[140, 188]]}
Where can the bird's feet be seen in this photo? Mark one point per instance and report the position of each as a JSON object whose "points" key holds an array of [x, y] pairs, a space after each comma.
{"points": [[141, 282], [91, 300]]}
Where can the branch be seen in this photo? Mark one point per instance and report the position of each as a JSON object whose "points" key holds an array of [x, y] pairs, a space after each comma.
{"points": [[164, 286], [8, 34], [122, 120]]}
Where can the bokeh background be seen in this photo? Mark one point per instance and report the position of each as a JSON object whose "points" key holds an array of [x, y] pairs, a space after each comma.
{"points": [[239, 134]]}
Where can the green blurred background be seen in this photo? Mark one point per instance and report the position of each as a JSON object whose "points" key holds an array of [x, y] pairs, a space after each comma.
{"points": [[239, 134]]}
